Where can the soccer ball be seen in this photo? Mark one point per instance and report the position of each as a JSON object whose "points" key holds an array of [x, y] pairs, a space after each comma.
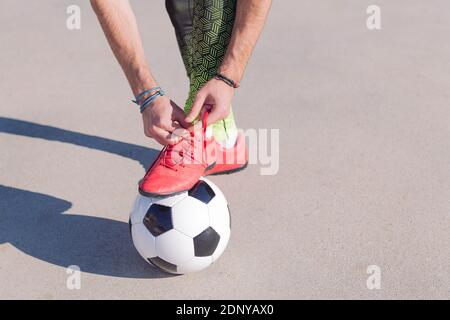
{"points": [[182, 233]]}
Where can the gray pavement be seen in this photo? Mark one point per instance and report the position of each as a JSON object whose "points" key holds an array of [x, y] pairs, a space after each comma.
{"points": [[364, 173]]}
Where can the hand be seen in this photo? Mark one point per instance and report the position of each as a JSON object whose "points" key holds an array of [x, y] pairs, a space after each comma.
{"points": [[164, 121], [217, 96]]}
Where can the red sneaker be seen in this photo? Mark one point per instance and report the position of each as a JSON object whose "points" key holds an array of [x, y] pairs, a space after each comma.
{"points": [[179, 167], [230, 160]]}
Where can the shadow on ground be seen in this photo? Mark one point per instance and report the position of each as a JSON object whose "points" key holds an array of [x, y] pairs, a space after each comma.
{"points": [[135, 152], [35, 224]]}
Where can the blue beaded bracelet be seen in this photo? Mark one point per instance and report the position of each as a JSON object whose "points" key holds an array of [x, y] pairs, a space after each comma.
{"points": [[142, 94], [150, 99]]}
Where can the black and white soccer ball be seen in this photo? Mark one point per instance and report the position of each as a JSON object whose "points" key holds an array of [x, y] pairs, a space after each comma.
{"points": [[182, 233]]}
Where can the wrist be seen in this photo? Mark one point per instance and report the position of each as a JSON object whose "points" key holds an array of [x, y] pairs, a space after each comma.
{"points": [[229, 82], [231, 71], [146, 98], [149, 102], [148, 92], [142, 86], [141, 81]]}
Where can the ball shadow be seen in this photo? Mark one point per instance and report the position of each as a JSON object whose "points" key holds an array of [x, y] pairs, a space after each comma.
{"points": [[35, 224]]}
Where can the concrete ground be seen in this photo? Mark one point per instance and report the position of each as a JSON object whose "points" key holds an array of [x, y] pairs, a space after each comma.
{"points": [[364, 175]]}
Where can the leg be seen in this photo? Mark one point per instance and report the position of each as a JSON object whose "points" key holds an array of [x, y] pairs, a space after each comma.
{"points": [[204, 29], [180, 13]]}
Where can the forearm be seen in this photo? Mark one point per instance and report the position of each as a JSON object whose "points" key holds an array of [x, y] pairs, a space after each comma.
{"points": [[250, 18], [119, 25]]}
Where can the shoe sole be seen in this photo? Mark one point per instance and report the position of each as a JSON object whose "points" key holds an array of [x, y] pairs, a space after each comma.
{"points": [[159, 195], [228, 171], [156, 195]]}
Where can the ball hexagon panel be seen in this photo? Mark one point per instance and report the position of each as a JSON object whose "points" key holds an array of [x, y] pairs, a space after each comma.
{"points": [[206, 243], [194, 265], [174, 247], [215, 189], [143, 241], [202, 191], [221, 246], [158, 219], [190, 216], [140, 207]]}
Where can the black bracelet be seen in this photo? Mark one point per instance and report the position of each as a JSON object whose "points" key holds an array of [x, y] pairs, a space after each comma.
{"points": [[228, 81]]}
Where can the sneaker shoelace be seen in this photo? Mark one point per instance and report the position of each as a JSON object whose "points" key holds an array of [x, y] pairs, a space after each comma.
{"points": [[175, 155]]}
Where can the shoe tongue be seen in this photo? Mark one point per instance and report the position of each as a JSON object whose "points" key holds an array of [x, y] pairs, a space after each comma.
{"points": [[174, 153], [172, 156], [185, 150]]}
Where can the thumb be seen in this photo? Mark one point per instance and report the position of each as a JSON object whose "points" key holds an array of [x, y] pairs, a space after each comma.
{"points": [[196, 108], [216, 114], [180, 117]]}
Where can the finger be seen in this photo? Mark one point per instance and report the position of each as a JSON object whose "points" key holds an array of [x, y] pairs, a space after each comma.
{"points": [[194, 126], [174, 105], [174, 133], [196, 108], [191, 126], [168, 126], [218, 113], [181, 133], [164, 137], [179, 116]]}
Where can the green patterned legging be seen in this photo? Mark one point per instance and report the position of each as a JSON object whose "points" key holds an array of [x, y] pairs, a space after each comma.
{"points": [[203, 29]]}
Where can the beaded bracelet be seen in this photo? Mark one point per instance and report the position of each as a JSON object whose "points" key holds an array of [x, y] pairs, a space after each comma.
{"points": [[142, 94], [157, 92], [150, 99], [228, 81]]}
